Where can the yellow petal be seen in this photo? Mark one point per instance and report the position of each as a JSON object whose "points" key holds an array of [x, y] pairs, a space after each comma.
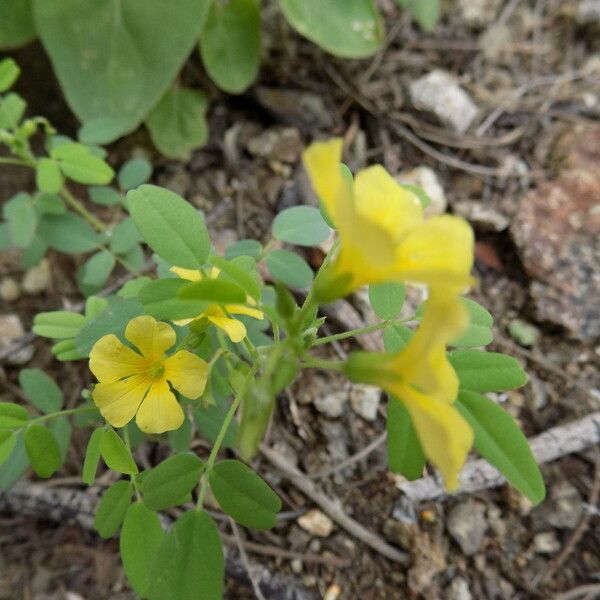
{"points": [[381, 200], [118, 401], [152, 338], [111, 360], [160, 411], [240, 309], [187, 373], [445, 436], [189, 274], [233, 328], [438, 252]]}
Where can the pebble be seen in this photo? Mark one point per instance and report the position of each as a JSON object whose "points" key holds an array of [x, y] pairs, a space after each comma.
{"points": [[478, 13], [11, 329], [278, 143], [562, 510], [438, 92], [426, 178], [37, 279], [467, 525], [459, 590], [588, 12], [332, 405], [546, 543], [9, 289], [481, 216], [316, 523], [364, 400]]}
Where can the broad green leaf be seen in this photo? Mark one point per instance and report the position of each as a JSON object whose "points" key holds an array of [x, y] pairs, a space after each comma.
{"points": [[346, 28], [102, 130], [92, 275], [12, 109], [12, 415], [301, 225], [425, 12], [141, 536], [48, 177], [115, 453], [22, 219], [92, 457], [62, 430], [8, 441], [189, 563], [116, 59], [9, 70], [243, 495], [479, 332], [209, 420], [161, 301], [68, 233], [289, 268], [14, 466], [34, 253], [49, 204], [251, 248], [104, 195], [134, 173], [237, 274], [487, 371], [58, 324], [134, 258], [42, 450], [230, 44], [171, 480], [78, 163], [41, 390], [66, 350], [387, 299], [500, 441], [132, 288], [396, 336], [16, 23], [177, 124], [124, 236], [112, 508], [180, 439], [113, 319], [172, 227], [213, 290], [405, 454]]}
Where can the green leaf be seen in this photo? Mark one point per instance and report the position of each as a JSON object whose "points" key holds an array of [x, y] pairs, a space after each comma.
{"points": [[209, 420], [43, 450], [115, 453], [48, 177], [12, 109], [213, 290], [479, 332], [112, 320], [41, 390], [230, 44], [116, 59], [22, 219], [78, 163], [141, 536], [92, 275], [251, 248], [12, 415], [189, 563], [171, 480], [487, 371], [421, 195], [68, 233], [301, 225], [243, 495], [8, 441], [104, 195], [289, 268], [61, 428], [124, 236], [66, 351], [112, 508], [9, 70], [405, 454], [134, 173], [161, 301], [15, 465], [16, 23], [387, 299], [396, 336], [49, 204], [58, 324], [102, 130], [172, 227], [92, 457], [177, 124], [500, 441], [180, 439], [231, 270], [346, 28], [425, 12]]}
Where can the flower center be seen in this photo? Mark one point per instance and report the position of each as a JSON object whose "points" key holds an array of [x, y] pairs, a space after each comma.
{"points": [[156, 370]]}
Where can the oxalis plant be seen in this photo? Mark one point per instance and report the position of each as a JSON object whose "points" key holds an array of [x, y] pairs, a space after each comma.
{"points": [[116, 60], [203, 345]]}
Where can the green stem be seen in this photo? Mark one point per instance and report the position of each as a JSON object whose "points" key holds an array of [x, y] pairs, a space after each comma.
{"points": [[78, 207], [134, 482], [312, 362], [62, 413], [360, 331], [14, 161]]}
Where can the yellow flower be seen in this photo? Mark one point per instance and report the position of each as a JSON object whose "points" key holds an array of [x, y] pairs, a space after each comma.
{"points": [[137, 383], [235, 329], [421, 377], [382, 230]]}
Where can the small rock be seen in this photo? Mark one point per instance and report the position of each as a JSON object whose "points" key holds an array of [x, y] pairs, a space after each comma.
{"points": [[428, 181], [11, 329], [439, 93], [279, 144], [481, 216], [428, 560], [332, 405], [546, 543], [467, 525], [588, 12], [365, 400], [524, 333], [478, 13], [404, 510], [459, 590], [37, 279], [9, 289], [562, 510], [297, 566], [316, 523]]}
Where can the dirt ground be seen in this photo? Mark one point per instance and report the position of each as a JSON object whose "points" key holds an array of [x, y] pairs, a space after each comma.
{"points": [[531, 69]]}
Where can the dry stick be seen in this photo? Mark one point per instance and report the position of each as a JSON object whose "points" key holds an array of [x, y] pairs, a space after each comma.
{"points": [[60, 505], [332, 506], [240, 545], [480, 475]]}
